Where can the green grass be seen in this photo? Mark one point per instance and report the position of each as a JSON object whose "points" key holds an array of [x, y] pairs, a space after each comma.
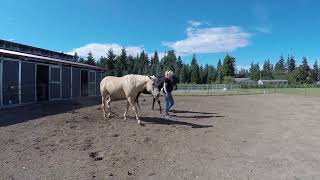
{"points": [[300, 91]]}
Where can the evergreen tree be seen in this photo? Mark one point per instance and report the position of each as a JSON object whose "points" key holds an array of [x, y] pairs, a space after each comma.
{"points": [[169, 61], [121, 63], [130, 63], [90, 59], [305, 70], [212, 73], [81, 60], [255, 72], [315, 72], [75, 57], [183, 76], [291, 64], [279, 69], [267, 70], [228, 67], [155, 64], [195, 74], [110, 62], [178, 67], [102, 62], [219, 72], [243, 73]]}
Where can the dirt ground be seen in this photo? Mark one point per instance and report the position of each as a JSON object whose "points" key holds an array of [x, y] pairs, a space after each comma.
{"points": [[226, 137]]}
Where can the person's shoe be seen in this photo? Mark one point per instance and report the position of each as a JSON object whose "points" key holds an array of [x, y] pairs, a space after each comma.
{"points": [[167, 116]]}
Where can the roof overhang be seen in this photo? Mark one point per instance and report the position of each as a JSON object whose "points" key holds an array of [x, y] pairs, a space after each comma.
{"points": [[31, 57]]}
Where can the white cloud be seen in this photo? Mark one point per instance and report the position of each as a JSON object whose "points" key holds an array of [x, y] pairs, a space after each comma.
{"points": [[195, 23], [99, 50], [210, 40]]}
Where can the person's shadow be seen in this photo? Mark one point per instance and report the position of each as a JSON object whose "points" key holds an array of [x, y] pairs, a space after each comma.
{"points": [[156, 120]]}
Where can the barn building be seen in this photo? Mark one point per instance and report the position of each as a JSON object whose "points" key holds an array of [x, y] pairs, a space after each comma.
{"points": [[29, 74]]}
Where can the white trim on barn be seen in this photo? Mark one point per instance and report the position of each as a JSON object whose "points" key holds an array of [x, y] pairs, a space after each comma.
{"points": [[71, 96]]}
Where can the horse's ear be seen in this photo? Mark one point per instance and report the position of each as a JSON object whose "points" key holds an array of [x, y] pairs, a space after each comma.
{"points": [[152, 77]]}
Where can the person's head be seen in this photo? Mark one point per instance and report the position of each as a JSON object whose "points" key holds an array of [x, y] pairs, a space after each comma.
{"points": [[169, 74]]}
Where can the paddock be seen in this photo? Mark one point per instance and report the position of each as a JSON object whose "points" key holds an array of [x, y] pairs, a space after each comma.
{"points": [[271, 136]]}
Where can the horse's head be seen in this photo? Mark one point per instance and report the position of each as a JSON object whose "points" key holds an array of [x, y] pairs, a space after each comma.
{"points": [[152, 86]]}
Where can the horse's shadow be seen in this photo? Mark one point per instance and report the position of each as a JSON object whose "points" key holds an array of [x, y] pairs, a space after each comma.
{"points": [[156, 120]]}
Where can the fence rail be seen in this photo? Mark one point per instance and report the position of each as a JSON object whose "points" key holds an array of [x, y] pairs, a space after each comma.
{"points": [[237, 89]]}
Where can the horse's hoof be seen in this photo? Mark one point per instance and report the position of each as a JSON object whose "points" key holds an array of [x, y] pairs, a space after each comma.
{"points": [[125, 118], [139, 122]]}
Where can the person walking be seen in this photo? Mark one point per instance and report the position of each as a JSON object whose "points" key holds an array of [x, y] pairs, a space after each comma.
{"points": [[168, 87]]}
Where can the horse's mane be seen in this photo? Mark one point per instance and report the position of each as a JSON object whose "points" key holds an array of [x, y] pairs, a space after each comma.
{"points": [[136, 79]]}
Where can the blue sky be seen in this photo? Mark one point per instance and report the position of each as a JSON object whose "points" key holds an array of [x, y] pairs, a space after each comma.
{"points": [[248, 30]]}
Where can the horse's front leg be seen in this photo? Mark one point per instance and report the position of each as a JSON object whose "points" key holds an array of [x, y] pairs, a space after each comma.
{"points": [[154, 100], [160, 106]]}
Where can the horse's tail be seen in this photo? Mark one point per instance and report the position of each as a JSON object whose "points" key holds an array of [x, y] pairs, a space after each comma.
{"points": [[103, 90]]}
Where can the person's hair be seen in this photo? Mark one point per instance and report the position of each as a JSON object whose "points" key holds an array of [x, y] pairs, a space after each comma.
{"points": [[169, 74]]}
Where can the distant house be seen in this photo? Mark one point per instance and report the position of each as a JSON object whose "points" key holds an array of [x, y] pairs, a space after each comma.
{"points": [[273, 82], [246, 81]]}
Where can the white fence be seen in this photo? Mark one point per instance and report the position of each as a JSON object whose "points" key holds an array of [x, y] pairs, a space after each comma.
{"points": [[207, 89], [217, 89]]}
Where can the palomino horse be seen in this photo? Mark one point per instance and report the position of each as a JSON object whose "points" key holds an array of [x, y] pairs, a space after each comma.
{"points": [[126, 88]]}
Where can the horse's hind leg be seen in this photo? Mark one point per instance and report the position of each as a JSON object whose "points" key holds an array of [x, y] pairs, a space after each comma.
{"points": [[103, 102], [108, 106], [126, 110]]}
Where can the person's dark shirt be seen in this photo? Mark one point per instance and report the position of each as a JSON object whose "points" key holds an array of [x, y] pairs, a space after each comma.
{"points": [[169, 84]]}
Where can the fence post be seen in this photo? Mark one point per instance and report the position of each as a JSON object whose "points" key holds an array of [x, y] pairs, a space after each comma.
{"points": [[305, 90]]}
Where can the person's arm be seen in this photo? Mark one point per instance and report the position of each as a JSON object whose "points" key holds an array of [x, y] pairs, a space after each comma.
{"points": [[165, 87]]}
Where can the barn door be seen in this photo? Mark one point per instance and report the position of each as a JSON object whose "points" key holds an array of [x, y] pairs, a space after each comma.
{"points": [[1, 82], [10, 82], [55, 82], [92, 83]]}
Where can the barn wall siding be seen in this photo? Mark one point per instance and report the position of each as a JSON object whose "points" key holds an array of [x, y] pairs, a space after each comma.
{"points": [[1, 82], [75, 82], [92, 83], [10, 82], [54, 91], [66, 82], [55, 82], [27, 82]]}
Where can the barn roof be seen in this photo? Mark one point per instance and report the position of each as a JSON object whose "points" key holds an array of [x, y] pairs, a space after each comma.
{"points": [[32, 57]]}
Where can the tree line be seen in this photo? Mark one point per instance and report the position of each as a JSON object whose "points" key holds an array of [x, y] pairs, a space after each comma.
{"points": [[224, 72]]}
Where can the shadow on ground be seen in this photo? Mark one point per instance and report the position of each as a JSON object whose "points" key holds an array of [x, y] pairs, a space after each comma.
{"points": [[156, 120], [17, 115], [191, 112]]}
